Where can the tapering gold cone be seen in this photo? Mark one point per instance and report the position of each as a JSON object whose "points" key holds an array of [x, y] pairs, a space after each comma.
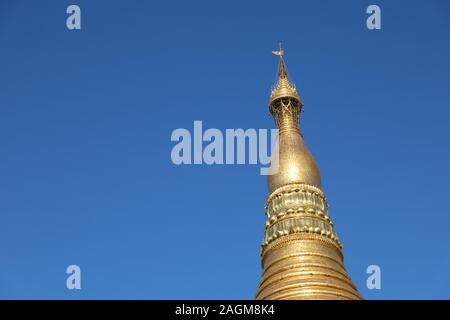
{"points": [[301, 253]]}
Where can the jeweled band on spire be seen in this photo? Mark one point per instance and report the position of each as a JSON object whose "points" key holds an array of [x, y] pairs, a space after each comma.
{"points": [[301, 253]]}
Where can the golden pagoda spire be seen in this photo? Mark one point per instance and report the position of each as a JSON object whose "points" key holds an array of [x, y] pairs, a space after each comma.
{"points": [[301, 253], [283, 88]]}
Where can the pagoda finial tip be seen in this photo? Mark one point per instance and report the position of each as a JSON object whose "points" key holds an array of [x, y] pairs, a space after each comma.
{"points": [[279, 52], [283, 87]]}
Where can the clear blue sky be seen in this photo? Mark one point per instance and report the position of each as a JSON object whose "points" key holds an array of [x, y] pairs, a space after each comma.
{"points": [[86, 117]]}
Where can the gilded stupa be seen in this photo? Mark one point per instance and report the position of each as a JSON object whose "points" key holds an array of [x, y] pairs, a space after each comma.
{"points": [[301, 254]]}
